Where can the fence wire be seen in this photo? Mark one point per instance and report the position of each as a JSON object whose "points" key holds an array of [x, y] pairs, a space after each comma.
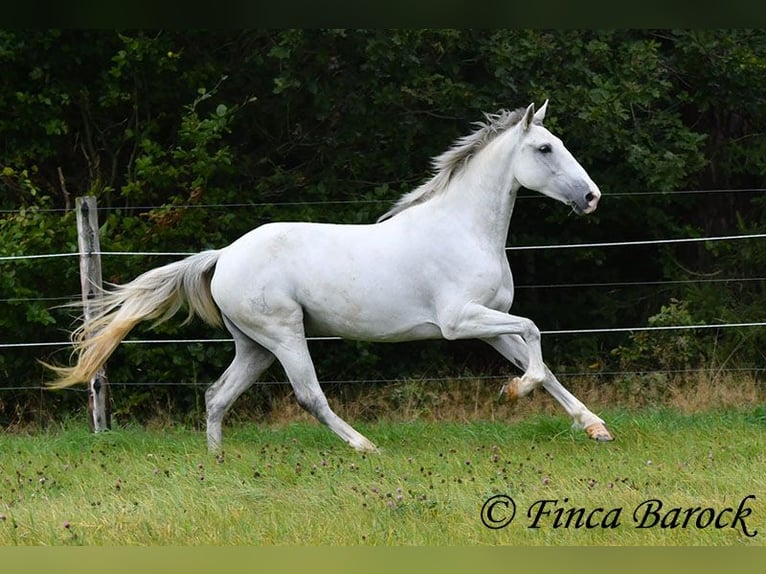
{"points": [[713, 371], [508, 248], [542, 332], [252, 205]]}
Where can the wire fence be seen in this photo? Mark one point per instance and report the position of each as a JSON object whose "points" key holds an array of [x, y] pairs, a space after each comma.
{"points": [[580, 331]]}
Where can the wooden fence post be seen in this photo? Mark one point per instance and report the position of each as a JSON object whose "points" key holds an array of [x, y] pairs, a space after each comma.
{"points": [[99, 407]]}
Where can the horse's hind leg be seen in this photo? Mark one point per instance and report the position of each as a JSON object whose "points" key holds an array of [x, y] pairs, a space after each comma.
{"points": [[278, 327], [296, 361], [250, 361], [513, 348]]}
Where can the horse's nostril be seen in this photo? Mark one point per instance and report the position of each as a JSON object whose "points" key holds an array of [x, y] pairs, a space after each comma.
{"points": [[590, 197]]}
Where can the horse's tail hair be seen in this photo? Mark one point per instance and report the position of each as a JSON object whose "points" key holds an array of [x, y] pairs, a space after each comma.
{"points": [[156, 295]]}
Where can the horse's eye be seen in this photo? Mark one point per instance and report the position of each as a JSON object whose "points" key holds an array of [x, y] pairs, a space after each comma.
{"points": [[545, 148]]}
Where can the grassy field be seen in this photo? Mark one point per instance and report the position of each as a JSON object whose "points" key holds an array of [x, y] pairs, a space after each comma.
{"points": [[296, 483]]}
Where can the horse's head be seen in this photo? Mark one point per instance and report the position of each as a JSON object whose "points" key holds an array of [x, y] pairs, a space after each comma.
{"points": [[543, 164]]}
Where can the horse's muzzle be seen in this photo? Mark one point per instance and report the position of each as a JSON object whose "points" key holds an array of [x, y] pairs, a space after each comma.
{"points": [[588, 201], [591, 199]]}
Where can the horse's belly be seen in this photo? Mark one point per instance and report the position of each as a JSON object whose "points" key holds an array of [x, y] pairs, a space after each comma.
{"points": [[363, 331], [350, 319]]}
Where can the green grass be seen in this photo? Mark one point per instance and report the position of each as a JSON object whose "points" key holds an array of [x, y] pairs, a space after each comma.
{"points": [[298, 484]]}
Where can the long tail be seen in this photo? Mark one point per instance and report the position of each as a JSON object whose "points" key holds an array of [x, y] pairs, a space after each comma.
{"points": [[156, 295]]}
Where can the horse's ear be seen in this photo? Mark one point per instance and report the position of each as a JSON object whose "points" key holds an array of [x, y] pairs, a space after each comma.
{"points": [[540, 114], [529, 116]]}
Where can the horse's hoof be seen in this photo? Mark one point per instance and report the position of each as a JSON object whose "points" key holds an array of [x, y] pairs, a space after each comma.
{"points": [[597, 431], [510, 391], [364, 446]]}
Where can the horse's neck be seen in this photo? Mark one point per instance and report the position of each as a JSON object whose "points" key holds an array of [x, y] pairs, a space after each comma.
{"points": [[482, 196]]}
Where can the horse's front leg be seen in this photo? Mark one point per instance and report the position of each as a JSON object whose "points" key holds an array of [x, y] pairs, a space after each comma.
{"points": [[514, 349], [478, 322]]}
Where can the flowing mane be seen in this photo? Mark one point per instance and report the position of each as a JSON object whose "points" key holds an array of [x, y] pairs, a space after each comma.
{"points": [[446, 165]]}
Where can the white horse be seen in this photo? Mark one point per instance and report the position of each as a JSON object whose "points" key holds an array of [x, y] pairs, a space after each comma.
{"points": [[434, 266]]}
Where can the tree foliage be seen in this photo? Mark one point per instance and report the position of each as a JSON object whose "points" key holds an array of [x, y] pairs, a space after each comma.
{"points": [[190, 138]]}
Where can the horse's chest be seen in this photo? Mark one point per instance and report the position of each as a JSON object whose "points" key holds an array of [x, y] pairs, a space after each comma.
{"points": [[500, 298], [494, 287]]}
